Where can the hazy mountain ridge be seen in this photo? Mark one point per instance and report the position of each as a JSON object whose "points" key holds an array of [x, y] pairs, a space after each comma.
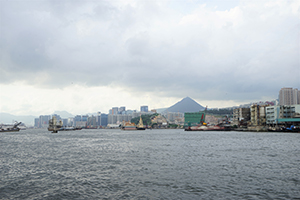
{"points": [[28, 120], [7, 118], [63, 114]]}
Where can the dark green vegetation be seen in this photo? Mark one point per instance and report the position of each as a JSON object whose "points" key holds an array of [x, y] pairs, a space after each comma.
{"points": [[146, 119]]}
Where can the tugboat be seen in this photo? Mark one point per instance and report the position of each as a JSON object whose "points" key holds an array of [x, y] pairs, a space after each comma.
{"points": [[14, 128], [140, 125], [54, 125]]}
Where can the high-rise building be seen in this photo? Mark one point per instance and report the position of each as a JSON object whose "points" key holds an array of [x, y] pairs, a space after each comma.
{"points": [[289, 96], [144, 108], [44, 121], [77, 118], [104, 120], [36, 122], [122, 109], [84, 118], [91, 121], [115, 110]]}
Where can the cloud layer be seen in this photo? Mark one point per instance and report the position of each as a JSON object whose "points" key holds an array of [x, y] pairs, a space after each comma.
{"points": [[167, 48]]}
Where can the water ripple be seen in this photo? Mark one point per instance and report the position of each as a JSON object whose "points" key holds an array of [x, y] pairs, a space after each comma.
{"points": [[157, 164]]}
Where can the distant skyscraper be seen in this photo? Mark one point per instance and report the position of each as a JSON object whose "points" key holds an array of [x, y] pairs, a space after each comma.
{"points": [[84, 118], [104, 120], [144, 108], [77, 118], [289, 96], [122, 109], [36, 122], [44, 121], [115, 110]]}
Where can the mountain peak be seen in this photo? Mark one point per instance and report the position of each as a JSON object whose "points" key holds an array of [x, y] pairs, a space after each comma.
{"points": [[187, 104], [63, 114]]}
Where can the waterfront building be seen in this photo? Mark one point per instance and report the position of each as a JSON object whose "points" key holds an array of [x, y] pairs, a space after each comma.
{"points": [[175, 117], [258, 115], [119, 118], [98, 119], [103, 119], [289, 96], [92, 122], [112, 119], [241, 116], [282, 113], [71, 121], [80, 124]]}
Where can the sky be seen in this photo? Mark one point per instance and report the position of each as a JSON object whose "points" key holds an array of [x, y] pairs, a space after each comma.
{"points": [[89, 56]]}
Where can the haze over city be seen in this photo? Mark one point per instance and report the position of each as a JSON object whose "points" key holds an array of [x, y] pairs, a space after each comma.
{"points": [[89, 56]]}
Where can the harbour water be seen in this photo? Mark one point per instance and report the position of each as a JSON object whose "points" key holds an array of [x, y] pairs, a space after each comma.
{"points": [[150, 164]]}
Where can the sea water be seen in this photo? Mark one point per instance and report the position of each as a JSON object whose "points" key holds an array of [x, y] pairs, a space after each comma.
{"points": [[150, 164]]}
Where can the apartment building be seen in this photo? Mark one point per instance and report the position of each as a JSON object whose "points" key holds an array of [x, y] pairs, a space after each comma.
{"points": [[282, 113], [258, 114], [241, 116], [289, 96]]}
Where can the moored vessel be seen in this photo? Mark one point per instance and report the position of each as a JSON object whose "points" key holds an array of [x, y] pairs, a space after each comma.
{"points": [[204, 127], [128, 126], [140, 125], [54, 125]]}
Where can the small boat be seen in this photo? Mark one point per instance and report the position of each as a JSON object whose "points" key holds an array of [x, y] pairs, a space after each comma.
{"points": [[11, 128], [140, 125], [292, 128]]}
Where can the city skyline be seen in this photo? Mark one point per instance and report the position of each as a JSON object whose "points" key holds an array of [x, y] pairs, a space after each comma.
{"points": [[87, 56]]}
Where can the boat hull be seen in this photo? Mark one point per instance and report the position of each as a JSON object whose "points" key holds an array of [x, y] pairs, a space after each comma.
{"points": [[10, 130], [128, 128], [205, 128]]}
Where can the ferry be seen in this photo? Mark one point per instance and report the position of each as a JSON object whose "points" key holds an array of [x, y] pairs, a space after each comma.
{"points": [[128, 126]]}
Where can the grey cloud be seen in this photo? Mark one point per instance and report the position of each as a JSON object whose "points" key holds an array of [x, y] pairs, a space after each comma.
{"points": [[100, 44]]}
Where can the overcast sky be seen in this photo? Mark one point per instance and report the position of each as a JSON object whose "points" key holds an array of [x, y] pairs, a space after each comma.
{"points": [[89, 56]]}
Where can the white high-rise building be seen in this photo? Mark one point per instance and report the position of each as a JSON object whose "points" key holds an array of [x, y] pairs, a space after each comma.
{"points": [[289, 96]]}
